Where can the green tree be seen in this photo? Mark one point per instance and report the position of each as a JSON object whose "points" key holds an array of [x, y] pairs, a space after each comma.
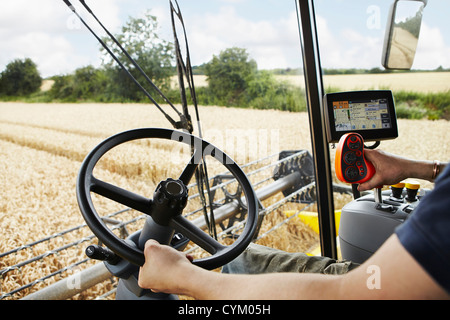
{"points": [[155, 56], [21, 77], [62, 88], [229, 74], [87, 83], [266, 92]]}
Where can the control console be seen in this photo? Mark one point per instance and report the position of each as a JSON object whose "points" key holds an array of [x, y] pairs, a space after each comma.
{"points": [[367, 222]]}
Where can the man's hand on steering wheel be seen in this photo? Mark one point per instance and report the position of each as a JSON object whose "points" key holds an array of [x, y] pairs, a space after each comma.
{"points": [[164, 268]]}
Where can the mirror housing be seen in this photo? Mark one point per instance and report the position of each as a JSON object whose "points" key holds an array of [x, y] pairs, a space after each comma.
{"points": [[402, 33]]}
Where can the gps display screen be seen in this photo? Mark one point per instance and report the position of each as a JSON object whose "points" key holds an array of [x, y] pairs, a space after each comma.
{"points": [[370, 113], [361, 115]]}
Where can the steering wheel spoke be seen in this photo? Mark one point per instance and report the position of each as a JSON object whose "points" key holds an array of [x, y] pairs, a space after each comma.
{"points": [[191, 167], [122, 196], [196, 235]]}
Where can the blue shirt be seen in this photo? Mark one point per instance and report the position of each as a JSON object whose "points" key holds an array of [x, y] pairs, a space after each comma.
{"points": [[426, 234]]}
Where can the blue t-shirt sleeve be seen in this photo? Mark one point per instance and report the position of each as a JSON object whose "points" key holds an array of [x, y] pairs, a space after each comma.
{"points": [[426, 234]]}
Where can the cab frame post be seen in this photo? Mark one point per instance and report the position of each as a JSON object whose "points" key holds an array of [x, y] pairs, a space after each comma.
{"points": [[320, 147]]}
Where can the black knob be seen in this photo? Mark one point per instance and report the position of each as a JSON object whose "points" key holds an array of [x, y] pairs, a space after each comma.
{"points": [[169, 200], [397, 190], [412, 188], [351, 173], [101, 253]]}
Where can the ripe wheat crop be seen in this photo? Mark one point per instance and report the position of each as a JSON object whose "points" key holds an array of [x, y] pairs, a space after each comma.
{"points": [[42, 147], [423, 82]]}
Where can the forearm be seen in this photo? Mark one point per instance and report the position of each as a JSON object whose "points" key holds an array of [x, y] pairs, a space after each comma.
{"points": [[425, 170], [203, 284], [391, 169], [391, 273], [170, 271]]}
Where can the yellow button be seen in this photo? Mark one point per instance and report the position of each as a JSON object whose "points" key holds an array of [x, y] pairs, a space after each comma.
{"points": [[413, 185], [400, 185]]}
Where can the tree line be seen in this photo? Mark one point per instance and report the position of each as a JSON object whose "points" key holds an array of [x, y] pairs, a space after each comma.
{"points": [[233, 80]]}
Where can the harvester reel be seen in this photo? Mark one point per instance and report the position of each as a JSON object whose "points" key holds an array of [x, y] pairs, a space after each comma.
{"points": [[168, 202]]}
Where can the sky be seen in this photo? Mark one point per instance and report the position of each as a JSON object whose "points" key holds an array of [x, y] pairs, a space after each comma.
{"points": [[351, 32]]}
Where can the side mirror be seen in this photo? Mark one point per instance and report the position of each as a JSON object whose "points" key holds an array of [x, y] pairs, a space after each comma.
{"points": [[402, 33]]}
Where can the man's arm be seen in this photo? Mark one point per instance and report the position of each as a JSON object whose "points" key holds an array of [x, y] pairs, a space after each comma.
{"points": [[400, 277], [391, 273], [391, 169]]}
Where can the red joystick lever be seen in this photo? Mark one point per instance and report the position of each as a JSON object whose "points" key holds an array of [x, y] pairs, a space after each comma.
{"points": [[350, 164]]}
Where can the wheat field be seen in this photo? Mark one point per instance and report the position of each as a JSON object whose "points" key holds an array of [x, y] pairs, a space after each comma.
{"points": [[42, 147], [424, 82]]}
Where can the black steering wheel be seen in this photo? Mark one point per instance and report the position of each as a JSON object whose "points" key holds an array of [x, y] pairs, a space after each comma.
{"points": [[169, 200]]}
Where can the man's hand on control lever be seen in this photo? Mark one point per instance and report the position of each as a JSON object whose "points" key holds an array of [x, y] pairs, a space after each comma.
{"points": [[392, 169]]}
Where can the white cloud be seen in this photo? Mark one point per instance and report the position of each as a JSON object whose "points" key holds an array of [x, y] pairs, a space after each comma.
{"points": [[232, 1], [50, 53], [271, 44], [20, 15], [46, 31], [432, 51], [348, 48]]}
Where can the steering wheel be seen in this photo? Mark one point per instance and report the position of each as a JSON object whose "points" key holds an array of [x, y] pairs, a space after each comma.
{"points": [[169, 199]]}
